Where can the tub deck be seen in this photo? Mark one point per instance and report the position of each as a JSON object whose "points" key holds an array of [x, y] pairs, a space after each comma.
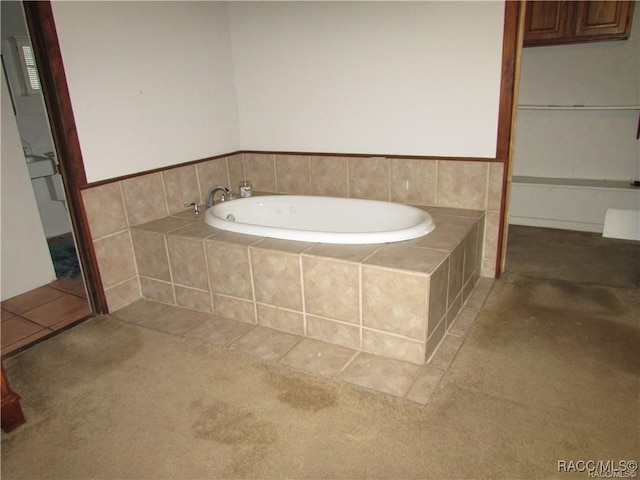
{"points": [[395, 300]]}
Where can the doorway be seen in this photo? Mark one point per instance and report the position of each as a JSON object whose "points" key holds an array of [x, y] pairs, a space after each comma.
{"points": [[37, 314]]}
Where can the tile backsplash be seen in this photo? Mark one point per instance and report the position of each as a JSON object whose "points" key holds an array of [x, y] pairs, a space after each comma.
{"points": [[113, 208]]}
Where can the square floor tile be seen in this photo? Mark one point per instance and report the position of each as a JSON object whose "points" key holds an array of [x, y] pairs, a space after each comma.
{"points": [[463, 321], [382, 374], [23, 342], [17, 328], [141, 311], [61, 309], [480, 293], [30, 300], [219, 330], [7, 315], [318, 357], [447, 350], [74, 285], [425, 384], [265, 343], [176, 320]]}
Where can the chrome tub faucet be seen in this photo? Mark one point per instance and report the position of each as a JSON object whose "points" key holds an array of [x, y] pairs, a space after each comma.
{"points": [[226, 194]]}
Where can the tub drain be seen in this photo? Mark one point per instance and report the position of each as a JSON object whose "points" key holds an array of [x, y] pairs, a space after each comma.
{"points": [[231, 218]]}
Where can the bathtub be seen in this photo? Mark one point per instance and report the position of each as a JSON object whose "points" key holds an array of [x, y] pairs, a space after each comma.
{"points": [[321, 219]]}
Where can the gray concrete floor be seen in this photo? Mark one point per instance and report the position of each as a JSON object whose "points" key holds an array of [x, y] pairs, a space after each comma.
{"points": [[576, 257], [545, 385]]}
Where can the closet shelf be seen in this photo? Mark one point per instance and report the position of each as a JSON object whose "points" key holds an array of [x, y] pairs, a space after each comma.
{"points": [[574, 182], [578, 107]]}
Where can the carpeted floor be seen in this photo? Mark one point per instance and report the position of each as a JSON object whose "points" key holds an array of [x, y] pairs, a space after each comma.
{"points": [[549, 373]]}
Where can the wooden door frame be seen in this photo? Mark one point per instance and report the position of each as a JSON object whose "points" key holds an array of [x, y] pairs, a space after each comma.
{"points": [[507, 114], [46, 48]]}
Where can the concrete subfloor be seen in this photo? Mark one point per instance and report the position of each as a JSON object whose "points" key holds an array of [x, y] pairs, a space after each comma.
{"points": [[546, 384]]}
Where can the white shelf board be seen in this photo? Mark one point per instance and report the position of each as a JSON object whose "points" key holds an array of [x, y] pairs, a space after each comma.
{"points": [[578, 107], [575, 182]]}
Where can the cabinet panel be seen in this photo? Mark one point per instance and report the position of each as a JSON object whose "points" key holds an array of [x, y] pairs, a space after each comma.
{"points": [[603, 18], [545, 21]]}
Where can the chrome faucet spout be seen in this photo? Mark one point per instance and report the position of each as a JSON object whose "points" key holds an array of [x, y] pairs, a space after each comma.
{"points": [[226, 194]]}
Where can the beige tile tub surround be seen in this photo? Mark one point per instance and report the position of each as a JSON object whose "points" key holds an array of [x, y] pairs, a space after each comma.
{"points": [[116, 207], [293, 174], [463, 184], [276, 278], [413, 182], [260, 169], [229, 269], [369, 178], [391, 300], [329, 176], [105, 210], [116, 258], [151, 254], [331, 288], [210, 173], [144, 198], [389, 295], [177, 182]]}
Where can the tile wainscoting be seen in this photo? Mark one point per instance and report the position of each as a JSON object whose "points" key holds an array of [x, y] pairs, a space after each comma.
{"points": [[113, 209]]}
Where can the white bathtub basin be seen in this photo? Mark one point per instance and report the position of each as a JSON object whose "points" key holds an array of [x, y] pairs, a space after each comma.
{"points": [[321, 219]]}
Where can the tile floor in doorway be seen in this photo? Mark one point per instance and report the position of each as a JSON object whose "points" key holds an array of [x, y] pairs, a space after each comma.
{"points": [[395, 377], [37, 314]]}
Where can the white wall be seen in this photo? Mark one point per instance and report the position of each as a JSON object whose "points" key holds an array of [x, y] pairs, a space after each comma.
{"points": [[417, 78], [154, 83], [151, 83], [25, 259]]}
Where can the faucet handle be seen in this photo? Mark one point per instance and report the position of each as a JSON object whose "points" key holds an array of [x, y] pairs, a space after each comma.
{"points": [[196, 207], [227, 196]]}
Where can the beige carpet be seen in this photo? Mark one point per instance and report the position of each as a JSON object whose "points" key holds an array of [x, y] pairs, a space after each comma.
{"points": [[550, 372]]}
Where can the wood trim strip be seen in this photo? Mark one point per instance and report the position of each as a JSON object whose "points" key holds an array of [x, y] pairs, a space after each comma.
{"points": [[507, 83], [44, 39], [511, 51], [381, 155]]}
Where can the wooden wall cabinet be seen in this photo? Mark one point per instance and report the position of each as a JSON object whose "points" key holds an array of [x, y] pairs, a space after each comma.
{"points": [[564, 22]]}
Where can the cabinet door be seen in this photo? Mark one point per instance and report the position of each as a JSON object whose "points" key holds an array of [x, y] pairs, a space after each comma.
{"points": [[545, 22], [556, 23], [603, 19]]}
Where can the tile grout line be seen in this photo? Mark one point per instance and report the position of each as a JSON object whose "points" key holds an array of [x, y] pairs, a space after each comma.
{"points": [[36, 305], [346, 365], [253, 287], [302, 293]]}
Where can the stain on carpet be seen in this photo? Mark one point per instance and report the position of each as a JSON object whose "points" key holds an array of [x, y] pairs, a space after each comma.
{"points": [[230, 425], [564, 320], [301, 393]]}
